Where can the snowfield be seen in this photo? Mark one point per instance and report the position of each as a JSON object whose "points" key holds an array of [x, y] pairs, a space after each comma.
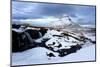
{"points": [[38, 55]]}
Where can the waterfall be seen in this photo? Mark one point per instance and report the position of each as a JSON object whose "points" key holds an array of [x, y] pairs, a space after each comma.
{"points": [[40, 35], [29, 37]]}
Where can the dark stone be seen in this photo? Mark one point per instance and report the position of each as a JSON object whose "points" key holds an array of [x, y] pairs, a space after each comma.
{"points": [[53, 43], [23, 41], [19, 43], [59, 46], [33, 33], [94, 42], [43, 31], [50, 54], [64, 52], [16, 26], [15, 41]]}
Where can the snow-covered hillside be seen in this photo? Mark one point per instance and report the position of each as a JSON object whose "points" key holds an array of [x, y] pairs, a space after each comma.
{"points": [[38, 56], [56, 43]]}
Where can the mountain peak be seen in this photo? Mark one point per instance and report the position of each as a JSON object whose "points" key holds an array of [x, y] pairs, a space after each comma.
{"points": [[65, 22], [66, 19]]}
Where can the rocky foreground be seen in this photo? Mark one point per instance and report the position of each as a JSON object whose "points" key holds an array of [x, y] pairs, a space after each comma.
{"points": [[61, 42]]}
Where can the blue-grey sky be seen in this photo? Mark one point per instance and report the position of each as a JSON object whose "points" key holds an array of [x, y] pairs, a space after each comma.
{"points": [[27, 10]]}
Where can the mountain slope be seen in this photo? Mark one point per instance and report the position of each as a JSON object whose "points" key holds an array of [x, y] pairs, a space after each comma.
{"points": [[65, 22]]}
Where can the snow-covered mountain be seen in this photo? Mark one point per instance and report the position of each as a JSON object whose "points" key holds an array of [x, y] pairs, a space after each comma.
{"points": [[65, 22], [41, 45]]}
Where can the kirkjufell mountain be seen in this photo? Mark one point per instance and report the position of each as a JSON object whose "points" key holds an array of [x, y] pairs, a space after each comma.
{"points": [[61, 40], [65, 22]]}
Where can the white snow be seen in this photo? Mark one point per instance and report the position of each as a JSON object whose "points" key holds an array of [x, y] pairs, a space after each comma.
{"points": [[84, 54], [50, 33], [18, 30], [91, 36], [65, 44], [38, 56], [64, 41]]}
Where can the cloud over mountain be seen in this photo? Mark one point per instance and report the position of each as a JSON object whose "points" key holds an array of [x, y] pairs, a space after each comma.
{"points": [[27, 10]]}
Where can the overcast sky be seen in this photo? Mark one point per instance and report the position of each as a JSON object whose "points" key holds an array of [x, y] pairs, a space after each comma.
{"points": [[27, 10]]}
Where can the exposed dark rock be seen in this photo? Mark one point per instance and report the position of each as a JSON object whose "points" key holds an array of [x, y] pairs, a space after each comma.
{"points": [[16, 26], [42, 44], [33, 33], [64, 52], [94, 42], [43, 31], [25, 40], [59, 46], [15, 41], [20, 42], [58, 35], [53, 43], [50, 54]]}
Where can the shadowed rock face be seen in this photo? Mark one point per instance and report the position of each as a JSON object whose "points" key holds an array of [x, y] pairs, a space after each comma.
{"points": [[15, 41], [20, 42], [34, 34], [43, 31], [16, 26], [25, 40], [64, 52]]}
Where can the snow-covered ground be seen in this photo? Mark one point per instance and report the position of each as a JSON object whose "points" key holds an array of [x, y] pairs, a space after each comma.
{"points": [[38, 55]]}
